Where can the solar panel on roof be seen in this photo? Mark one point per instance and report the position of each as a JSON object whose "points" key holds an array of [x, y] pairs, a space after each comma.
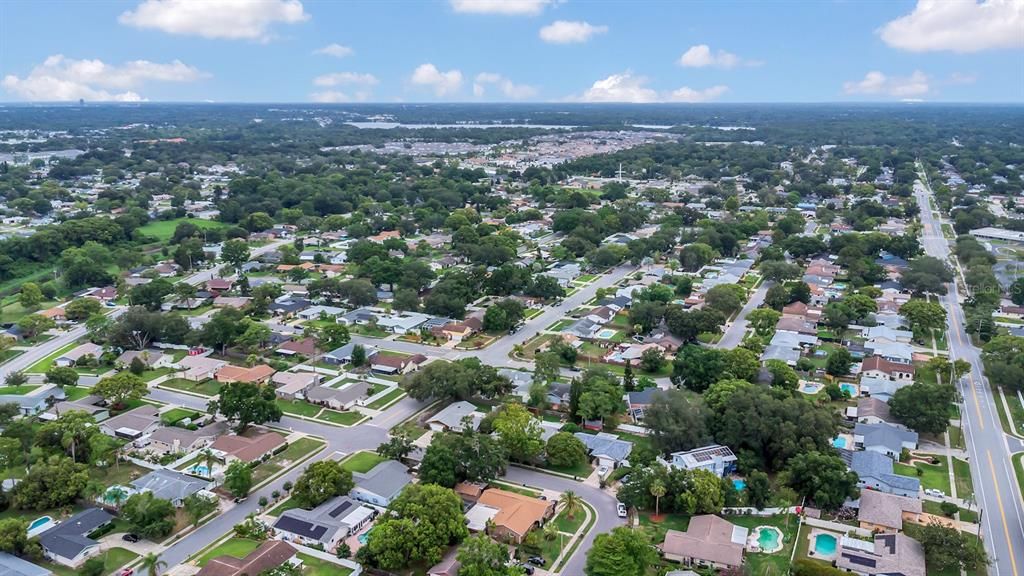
{"points": [[860, 560], [339, 509]]}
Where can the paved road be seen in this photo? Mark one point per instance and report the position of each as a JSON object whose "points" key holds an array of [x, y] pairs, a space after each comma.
{"points": [[602, 502], [734, 333], [996, 489]]}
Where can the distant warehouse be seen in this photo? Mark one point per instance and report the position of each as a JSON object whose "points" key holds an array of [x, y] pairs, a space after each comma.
{"points": [[990, 233]]}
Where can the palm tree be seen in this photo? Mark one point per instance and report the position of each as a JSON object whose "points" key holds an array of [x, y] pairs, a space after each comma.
{"points": [[571, 503], [117, 495], [657, 490], [152, 564], [209, 459]]}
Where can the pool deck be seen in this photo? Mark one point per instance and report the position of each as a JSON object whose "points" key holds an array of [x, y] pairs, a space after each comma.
{"points": [[813, 553]]}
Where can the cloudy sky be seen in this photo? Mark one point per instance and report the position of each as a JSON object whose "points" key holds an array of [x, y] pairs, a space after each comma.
{"points": [[512, 50]]}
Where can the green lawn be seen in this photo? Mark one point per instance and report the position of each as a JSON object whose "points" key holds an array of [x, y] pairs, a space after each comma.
{"points": [[150, 375], [570, 525], [777, 563], [386, 399], [581, 471], [362, 462], [316, 567], [205, 388], [17, 390], [962, 473], [560, 325], [956, 437], [656, 530], [43, 365], [113, 559], [288, 457], [164, 229], [175, 415], [236, 547], [282, 507], [932, 476], [340, 418], [298, 407]]}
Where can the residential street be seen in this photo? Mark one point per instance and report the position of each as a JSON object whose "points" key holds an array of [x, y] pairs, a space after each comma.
{"points": [[734, 333], [998, 494]]}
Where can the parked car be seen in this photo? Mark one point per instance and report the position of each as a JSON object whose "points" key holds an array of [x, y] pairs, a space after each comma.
{"points": [[620, 509], [527, 569], [128, 572], [536, 561], [133, 538], [602, 471]]}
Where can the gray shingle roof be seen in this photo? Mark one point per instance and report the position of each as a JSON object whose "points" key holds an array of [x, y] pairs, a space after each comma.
{"points": [[169, 485], [602, 445], [11, 565], [68, 539], [875, 465], [386, 479]]}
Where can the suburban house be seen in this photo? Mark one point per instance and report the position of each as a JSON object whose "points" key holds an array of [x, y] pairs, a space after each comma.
{"points": [[875, 473], [257, 374], [513, 515], [169, 485], [303, 347], [396, 364], [638, 401], [88, 404], [326, 525], [458, 331], [177, 440], [267, 556], [878, 367], [887, 334], [132, 424], [709, 541], [151, 359], [448, 566], [72, 356], [883, 512], [292, 385], [450, 419], [881, 388], [873, 411], [11, 565], [343, 355], [382, 484], [715, 458], [198, 368], [248, 449], [68, 543], [606, 449], [888, 554], [402, 323], [30, 405], [884, 439], [338, 398]]}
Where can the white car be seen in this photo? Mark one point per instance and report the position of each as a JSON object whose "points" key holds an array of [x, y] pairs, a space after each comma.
{"points": [[602, 471], [620, 509]]}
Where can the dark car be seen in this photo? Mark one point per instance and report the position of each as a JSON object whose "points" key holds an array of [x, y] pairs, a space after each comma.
{"points": [[133, 538], [536, 561], [527, 569]]}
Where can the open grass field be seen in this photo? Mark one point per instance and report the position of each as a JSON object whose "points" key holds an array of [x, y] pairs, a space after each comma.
{"points": [[164, 229], [236, 547]]}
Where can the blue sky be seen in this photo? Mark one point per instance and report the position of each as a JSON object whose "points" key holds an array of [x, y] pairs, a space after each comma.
{"points": [[512, 50]]}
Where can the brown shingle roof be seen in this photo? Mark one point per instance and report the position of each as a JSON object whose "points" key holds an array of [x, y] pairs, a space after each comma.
{"points": [[270, 554], [708, 538]]}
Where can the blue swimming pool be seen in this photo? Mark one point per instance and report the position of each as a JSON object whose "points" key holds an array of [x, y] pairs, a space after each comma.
{"points": [[365, 537], [825, 544], [199, 470], [839, 442], [39, 522], [849, 389], [739, 484]]}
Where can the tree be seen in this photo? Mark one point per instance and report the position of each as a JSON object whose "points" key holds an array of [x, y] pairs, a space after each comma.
{"points": [[519, 432], [61, 376], [55, 482], [469, 456], [458, 380], [481, 556], [238, 479], [923, 406], [694, 256], [652, 360], [421, 524], [947, 548], [759, 489], [15, 379], [782, 375], [358, 355], [926, 274], [547, 367], [860, 306], [81, 309], [1017, 291], [246, 403], [95, 566], [34, 325], [763, 321], [924, 316], [676, 423], [601, 396], [779, 271], [120, 388], [563, 450], [151, 517], [320, 482], [697, 367], [152, 564], [838, 362], [726, 298], [657, 490], [822, 477], [30, 296], [571, 503], [621, 552], [504, 315], [198, 507], [397, 447], [235, 252], [1003, 357], [777, 297]]}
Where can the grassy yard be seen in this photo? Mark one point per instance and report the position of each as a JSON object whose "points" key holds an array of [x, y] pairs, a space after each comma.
{"points": [[17, 390], [656, 530], [409, 429], [936, 509], [777, 563], [43, 365], [931, 475], [164, 229], [956, 437], [122, 473], [293, 453], [150, 375], [113, 559], [386, 399], [362, 462], [560, 325], [962, 473], [175, 415], [340, 418], [581, 470], [288, 504], [236, 547], [570, 525], [298, 407], [316, 567], [204, 388]]}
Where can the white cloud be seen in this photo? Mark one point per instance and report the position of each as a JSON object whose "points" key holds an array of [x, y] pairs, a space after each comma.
{"points": [[339, 78], [878, 84], [335, 49], [504, 7], [509, 89], [567, 32], [627, 87], [962, 78], [958, 26], [230, 19], [332, 96], [59, 79], [701, 56], [442, 83]]}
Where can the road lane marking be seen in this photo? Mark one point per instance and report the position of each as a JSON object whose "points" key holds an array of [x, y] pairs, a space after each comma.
{"points": [[970, 378], [1002, 513]]}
